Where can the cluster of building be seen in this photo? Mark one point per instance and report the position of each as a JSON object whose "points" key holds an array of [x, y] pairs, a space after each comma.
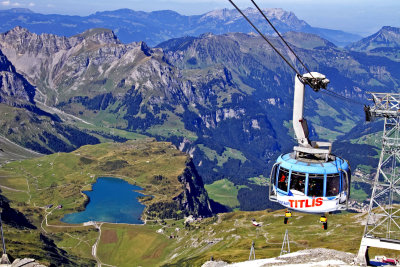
{"points": [[358, 206]]}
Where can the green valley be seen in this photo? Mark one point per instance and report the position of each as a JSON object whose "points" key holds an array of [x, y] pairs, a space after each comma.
{"points": [[59, 179], [224, 192]]}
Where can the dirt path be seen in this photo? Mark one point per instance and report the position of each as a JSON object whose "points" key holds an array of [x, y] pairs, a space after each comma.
{"points": [[98, 225], [12, 189], [94, 247]]}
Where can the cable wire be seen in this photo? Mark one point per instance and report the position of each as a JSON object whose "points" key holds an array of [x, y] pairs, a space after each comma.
{"points": [[326, 91], [280, 36], [334, 94], [265, 38]]}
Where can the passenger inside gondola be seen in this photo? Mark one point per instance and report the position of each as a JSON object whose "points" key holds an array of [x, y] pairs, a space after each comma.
{"points": [[283, 180], [297, 182], [315, 185], [332, 185]]}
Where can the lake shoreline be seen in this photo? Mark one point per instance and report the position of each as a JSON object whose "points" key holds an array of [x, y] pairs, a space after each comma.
{"points": [[115, 201]]}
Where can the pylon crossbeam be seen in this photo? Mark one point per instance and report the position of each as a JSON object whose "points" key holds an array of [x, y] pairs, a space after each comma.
{"points": [[379, 194], [379, 223], [383, 209], [397, 190], [386, 178], [398, 226]]}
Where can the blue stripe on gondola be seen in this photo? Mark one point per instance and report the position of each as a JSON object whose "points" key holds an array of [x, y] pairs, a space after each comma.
{"points": [[289, 163]]}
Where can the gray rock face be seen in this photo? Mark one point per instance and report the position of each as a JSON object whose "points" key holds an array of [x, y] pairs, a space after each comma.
{"points": [[231, 16], [14, 89], [194, 198], [26, 263], [81, 65]]}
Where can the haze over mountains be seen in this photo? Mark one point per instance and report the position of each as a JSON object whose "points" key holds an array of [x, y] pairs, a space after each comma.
{"points": [[158, 26]]}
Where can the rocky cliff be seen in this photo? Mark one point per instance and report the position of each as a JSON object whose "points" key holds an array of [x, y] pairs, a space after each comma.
{"points": [[22, 118], [14, 89], [194, 198]]}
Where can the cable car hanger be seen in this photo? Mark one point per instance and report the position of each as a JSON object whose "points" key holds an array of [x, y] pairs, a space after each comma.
{"points": [[326, 91]]}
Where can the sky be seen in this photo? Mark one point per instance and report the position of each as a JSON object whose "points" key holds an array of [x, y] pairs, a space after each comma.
{"points": [[362, 17]]}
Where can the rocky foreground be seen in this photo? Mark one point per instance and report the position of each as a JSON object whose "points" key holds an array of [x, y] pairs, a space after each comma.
{"points": [[309, 257]]}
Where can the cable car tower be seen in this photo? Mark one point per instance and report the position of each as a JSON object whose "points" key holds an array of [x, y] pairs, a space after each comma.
{"points": [[382, 228]]}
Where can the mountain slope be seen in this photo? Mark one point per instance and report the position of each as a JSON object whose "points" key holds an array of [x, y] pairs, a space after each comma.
{"points": [[224, 99], [158, 26], [26, 124], [10, 151], [385, 42]]}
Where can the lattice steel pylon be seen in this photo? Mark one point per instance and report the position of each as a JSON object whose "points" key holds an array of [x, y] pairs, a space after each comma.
{"points": [[285, 244], [252, 255], [382, 228]]}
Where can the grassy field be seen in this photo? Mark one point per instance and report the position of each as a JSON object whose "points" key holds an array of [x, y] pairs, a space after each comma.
{"points": [[229, 153], [133, 245], [60, 178], [358, 194], [224, 192], [172, 127], [226, 237], [260, 180]]}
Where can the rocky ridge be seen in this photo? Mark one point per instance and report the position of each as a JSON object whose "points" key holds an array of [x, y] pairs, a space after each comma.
{"points": [[64, 67], [21, 116]]}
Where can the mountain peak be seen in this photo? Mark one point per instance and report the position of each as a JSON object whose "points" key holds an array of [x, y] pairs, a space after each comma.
{"points": [[100, 35], [387, 37], [18, 30], [231, 15], [390, 28]]}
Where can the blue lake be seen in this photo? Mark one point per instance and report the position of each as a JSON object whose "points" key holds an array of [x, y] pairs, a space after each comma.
{"points": [[111, 200]]}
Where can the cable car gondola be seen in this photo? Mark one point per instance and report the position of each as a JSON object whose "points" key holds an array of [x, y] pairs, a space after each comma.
{"points": [[309, 179]]}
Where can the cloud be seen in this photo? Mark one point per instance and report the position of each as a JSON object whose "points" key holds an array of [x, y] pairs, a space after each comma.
{"points": [[9, 3], [16, 4]]}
